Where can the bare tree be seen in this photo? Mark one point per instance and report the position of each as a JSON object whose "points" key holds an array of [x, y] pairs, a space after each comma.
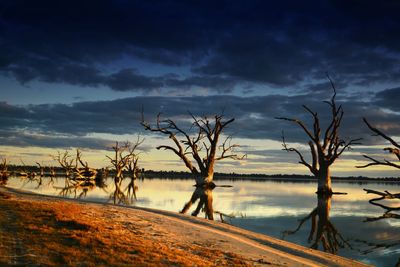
{"points": [[4, 172], [75, 166], [133, 173], [4, 169], [326, 146], [393, 150], [66, 162], [83, 172], [41, 169], [199, 152], [119, 161], [52, 172], [125, 158], [322, 229]]}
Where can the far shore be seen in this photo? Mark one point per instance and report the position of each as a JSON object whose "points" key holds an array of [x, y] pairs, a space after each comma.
{"points": [[52, 231], [150, 174]]}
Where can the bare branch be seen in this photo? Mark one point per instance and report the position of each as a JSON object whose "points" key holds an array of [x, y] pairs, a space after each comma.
{"points": [[377, 162], [227, 147], [200, 148], [301, 124], [302, 160], [380, 133]]}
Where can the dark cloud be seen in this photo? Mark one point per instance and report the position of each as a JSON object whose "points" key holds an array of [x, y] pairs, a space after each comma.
{"points": [[389, 99], [123, 80], [26, 139], [254, 116], [223, 43]]}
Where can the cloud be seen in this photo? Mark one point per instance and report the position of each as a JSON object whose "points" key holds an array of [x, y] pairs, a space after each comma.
{"points": [[389, 99], [220, 45], [254, 116], [28, 139]]}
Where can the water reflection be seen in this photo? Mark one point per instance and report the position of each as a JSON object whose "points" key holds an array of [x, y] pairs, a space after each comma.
{"points": [[79, 188], [322, 230], [383, 196], [131, 189], [203, 193], [125, 195], [4, 172], [3, 180], [388, 214], [270, 207], [32, 179]]}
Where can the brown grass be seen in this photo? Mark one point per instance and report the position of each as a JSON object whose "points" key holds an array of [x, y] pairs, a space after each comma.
{"points": [[55, 232]]}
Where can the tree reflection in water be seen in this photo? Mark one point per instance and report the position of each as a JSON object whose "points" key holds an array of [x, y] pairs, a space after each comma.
{"points": [[118, 196], [78, 188], [390, 213], [322, 229], [203, 193], [125, 196], [131, 189], [3, 180]]}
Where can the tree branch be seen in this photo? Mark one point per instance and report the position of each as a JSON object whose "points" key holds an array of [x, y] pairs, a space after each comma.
{"points": [[301, 124], [378, 132], [302, 160]]}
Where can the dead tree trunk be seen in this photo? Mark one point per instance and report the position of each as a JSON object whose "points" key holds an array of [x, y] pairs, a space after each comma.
{"points": [[325, 148], [202, 149], [324, 180]]}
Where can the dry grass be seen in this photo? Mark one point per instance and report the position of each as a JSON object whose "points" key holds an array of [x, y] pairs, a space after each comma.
{"points": [[55, 232]]}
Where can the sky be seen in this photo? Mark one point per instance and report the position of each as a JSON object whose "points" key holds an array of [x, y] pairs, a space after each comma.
{"points": [[77, 74]]}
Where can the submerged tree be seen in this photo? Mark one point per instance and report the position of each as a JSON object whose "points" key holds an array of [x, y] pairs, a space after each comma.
{"points": [[199, 152], [75, 166], [125, 156], [393, 150], [4, 169], [126, 159], [83, 172], [66, 162], [41, 169], [326, 146], [4, 172]]}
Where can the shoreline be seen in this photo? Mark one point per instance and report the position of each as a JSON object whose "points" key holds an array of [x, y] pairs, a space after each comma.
{"points": [[184, 240]]}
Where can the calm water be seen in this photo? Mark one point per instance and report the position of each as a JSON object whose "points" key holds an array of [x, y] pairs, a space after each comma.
{"points": [[350, 225]]}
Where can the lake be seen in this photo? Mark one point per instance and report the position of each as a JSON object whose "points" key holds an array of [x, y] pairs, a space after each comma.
{"points": [[347, 225]]}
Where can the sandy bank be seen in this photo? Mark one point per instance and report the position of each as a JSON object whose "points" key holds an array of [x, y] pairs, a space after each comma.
{"points": [[43, 230]]}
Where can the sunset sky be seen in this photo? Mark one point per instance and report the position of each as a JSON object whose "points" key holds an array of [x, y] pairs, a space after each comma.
{"points": [[76, 74]]}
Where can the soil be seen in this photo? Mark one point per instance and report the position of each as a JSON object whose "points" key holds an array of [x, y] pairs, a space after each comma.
{"points": [[37, 230]]}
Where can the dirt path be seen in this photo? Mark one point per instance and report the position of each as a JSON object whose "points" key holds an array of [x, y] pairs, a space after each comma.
{"points": [[52, 231]]}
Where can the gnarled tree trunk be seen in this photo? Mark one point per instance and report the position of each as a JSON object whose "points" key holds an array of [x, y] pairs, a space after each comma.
{"points": [[324, 181]]}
